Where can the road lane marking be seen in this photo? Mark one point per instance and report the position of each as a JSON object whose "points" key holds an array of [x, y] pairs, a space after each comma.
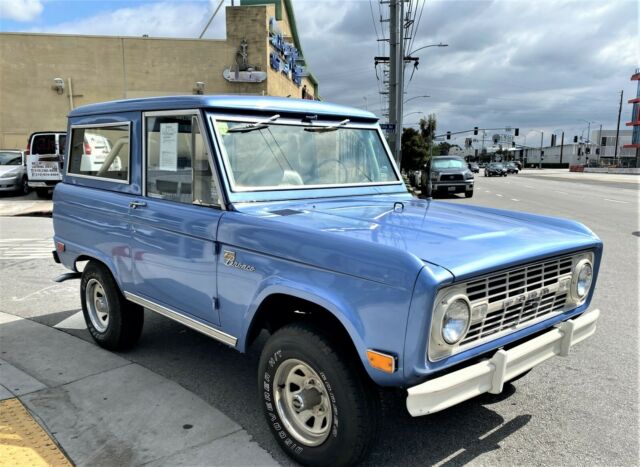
{"points": [[514, 199], [25, 248], [561, 192], [616, 201], [487, 191], [498, 194], [528, 186]]}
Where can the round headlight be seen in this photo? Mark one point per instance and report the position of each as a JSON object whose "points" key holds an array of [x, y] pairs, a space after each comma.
{"points": [[584, 278], [455, 321]]}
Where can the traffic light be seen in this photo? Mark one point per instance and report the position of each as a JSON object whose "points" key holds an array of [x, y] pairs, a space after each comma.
{"points": [[575, 139], [517, 132], [587, 150], [553, 140], [598, 151], [448, 135], [475, 130]]}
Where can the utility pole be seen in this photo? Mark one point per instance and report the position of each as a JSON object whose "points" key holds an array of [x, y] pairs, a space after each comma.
{"points": [[400, 77], [541, 139], [561, 146], [599, 144], [393, 74], [615, 155]]}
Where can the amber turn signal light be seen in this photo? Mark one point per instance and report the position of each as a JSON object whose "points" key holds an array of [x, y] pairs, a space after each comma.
{"points": [[381, 361]]}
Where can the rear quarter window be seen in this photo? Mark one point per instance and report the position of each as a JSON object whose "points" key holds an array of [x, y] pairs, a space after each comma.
{"points": [[101, 152]]}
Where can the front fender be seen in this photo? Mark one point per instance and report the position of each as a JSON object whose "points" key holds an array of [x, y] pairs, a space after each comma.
{"points": [[346, 313]]}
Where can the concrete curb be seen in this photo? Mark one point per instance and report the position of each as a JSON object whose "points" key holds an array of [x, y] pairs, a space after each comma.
{"points": [[21, 207], [105, 410]]}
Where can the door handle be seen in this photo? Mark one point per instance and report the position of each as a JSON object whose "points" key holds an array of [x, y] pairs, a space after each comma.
{"points": [[137, 204]]}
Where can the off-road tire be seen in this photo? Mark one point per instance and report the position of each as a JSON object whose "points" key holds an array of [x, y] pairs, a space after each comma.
{"points": [[125, 318], [354, 399]]}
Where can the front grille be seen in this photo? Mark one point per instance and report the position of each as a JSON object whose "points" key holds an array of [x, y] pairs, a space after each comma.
{"points": [[518, 296], [451, 177]]}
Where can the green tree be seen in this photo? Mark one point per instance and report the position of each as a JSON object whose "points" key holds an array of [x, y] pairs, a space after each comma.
{"points": [[415, 150], [428, 128]]}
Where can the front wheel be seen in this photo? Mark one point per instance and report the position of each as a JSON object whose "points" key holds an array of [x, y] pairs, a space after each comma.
{"points": [[319, 404], [114, 322], [468, 194], [24, 186]]}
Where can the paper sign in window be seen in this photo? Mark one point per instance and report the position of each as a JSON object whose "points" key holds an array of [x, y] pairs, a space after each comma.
{"points": [[169, 146]]}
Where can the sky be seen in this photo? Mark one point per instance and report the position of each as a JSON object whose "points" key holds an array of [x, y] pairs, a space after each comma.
{"points": [[538, 65]]}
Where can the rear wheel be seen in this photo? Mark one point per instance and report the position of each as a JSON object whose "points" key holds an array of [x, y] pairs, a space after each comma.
{"points": [[114, 322], [319, 405]]}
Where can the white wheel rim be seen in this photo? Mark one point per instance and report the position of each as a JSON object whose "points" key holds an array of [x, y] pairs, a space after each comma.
{"points": [[97, 305], [302, 401]]}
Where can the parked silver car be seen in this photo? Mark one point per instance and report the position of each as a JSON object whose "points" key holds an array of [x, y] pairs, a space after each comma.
{"points": [[13, 171]]}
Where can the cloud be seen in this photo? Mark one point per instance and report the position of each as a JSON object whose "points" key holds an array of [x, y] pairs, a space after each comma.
{"points": [[534, 65], [20, 10], [161, 19], [540, 65]]}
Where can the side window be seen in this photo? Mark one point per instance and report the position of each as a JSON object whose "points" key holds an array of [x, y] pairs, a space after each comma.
{"points": [[177, 164], [100, 151]]}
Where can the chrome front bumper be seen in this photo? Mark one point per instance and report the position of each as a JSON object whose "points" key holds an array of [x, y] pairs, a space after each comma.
{"points": [[490, 375]]}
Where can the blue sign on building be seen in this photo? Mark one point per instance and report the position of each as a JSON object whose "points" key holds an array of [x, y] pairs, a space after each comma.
{"points": [[284, 55]]}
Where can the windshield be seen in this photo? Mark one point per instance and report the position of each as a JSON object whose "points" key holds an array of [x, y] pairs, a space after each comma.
{"points": [[448, 164], [280, 156], [10, 158], [497, 166]]}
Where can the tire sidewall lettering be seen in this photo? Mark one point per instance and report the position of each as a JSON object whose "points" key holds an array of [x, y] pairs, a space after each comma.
{"points": [[273, 417]]}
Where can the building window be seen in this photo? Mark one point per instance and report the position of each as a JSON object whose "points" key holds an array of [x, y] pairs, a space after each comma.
{"points": [[100, 151], [177, 164]]}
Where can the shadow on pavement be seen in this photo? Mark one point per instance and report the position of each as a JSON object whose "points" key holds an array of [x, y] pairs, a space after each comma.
{"points": [[227, 379]]}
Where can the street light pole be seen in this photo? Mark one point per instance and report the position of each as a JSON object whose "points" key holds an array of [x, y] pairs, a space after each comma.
{"points": [[412, 98]]}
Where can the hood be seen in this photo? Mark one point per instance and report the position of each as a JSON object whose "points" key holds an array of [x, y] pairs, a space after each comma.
{"points": [[5, 169], [466, 240]]}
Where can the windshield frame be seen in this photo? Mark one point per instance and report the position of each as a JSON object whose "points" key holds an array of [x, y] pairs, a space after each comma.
{"points": [[268, 193]]}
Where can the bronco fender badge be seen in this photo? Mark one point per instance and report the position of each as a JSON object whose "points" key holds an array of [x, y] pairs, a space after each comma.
{"points": [[229, 259]]}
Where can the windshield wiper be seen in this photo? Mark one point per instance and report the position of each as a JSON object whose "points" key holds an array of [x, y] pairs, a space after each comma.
{"points": [[253, 126], [325, 129]]}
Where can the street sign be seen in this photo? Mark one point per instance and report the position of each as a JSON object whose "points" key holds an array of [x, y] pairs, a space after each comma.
{"points": [[388, 127]]}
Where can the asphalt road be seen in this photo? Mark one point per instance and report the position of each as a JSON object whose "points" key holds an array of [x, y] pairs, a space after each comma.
{"points": [[582, 410]]}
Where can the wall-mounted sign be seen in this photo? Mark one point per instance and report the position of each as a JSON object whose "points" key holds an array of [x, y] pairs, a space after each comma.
{"points": [[242, 72], [284, 56]]}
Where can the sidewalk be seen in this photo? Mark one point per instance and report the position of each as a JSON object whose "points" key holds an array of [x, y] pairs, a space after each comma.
{"points": [[102, 409], [564, 174], [29, 205]]}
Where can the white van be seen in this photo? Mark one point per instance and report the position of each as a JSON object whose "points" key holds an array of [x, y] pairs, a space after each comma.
{"points": [[45, 157]]}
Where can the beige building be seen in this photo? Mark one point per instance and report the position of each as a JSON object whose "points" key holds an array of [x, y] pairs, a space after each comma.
{"points": [[44, 76]]}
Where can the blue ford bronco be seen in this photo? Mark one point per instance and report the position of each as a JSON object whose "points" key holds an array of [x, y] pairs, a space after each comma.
{"points": [[233, 215]]}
